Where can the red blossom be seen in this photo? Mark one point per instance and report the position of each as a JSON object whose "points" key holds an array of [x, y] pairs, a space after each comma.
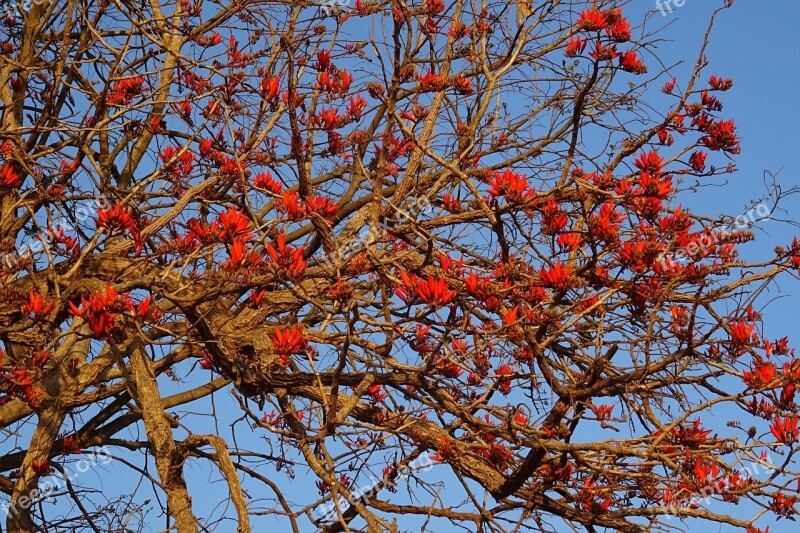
{"points": [[575, 46], [289, 203], [41, 467], [357, 105], [722, 137], [512, 186], [761, 376], [123, 91], [620, 30], [321, 205], [669, 86], [592, 20], [70, 445], [432, 82], [569, 241], [435, 292], [742, 333], [323, 60], [116, 217], [698, 161], [266, 181], [9, 177], [288, 341], [631, 62], [100, 310], [558, 275], [288, 259], [603, 412], [785, 430], [603, 53], [234, 225], [35, 306], [719, 84]]}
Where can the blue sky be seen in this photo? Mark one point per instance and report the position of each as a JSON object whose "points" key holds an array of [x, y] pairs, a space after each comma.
{"points": [[756, 44]]}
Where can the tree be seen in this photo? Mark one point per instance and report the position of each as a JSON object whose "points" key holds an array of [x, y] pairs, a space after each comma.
{"points": [[379, 248]]}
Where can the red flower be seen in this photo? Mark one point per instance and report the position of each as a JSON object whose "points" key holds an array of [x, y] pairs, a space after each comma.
{"points": [[376, 393], [760, 377], [510, 316], [432, 82], [288, 259], [592, 20], [783, 505], [344, 81], [620, 30], [123, 91], [116, 217], [669, 86], [650, 162], [449, 265], [742, 333], [70, 445], [357, 105], [266, 181], [631, 62], [41, 467], [101, 309], [35, 306], [434, 291], [575, 47], [569, 241], [553, 218], [323, 60], [205, 147], [288, 341], [603, 53], [498, 455], [322, 205], [289, 203], [9, 177], [698, 161], [785, 430], [478, 287], [557, 276], [342, 291], [329, 117], [722, 136], [654, 185], [463, 85], [719, 84], [234, 224], [433, 7], [458, 30], [512, 186], [603, 412], [270, 88]]}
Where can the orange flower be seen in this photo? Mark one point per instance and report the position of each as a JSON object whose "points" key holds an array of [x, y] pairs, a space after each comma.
{"points": [[435, 291], [9, 177], [592, 20], [557, 276], [35, 306], [785, 430], [288, 341]]}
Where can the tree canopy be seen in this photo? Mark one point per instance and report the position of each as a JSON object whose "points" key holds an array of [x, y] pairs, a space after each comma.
{"points": [[376, 267]]}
